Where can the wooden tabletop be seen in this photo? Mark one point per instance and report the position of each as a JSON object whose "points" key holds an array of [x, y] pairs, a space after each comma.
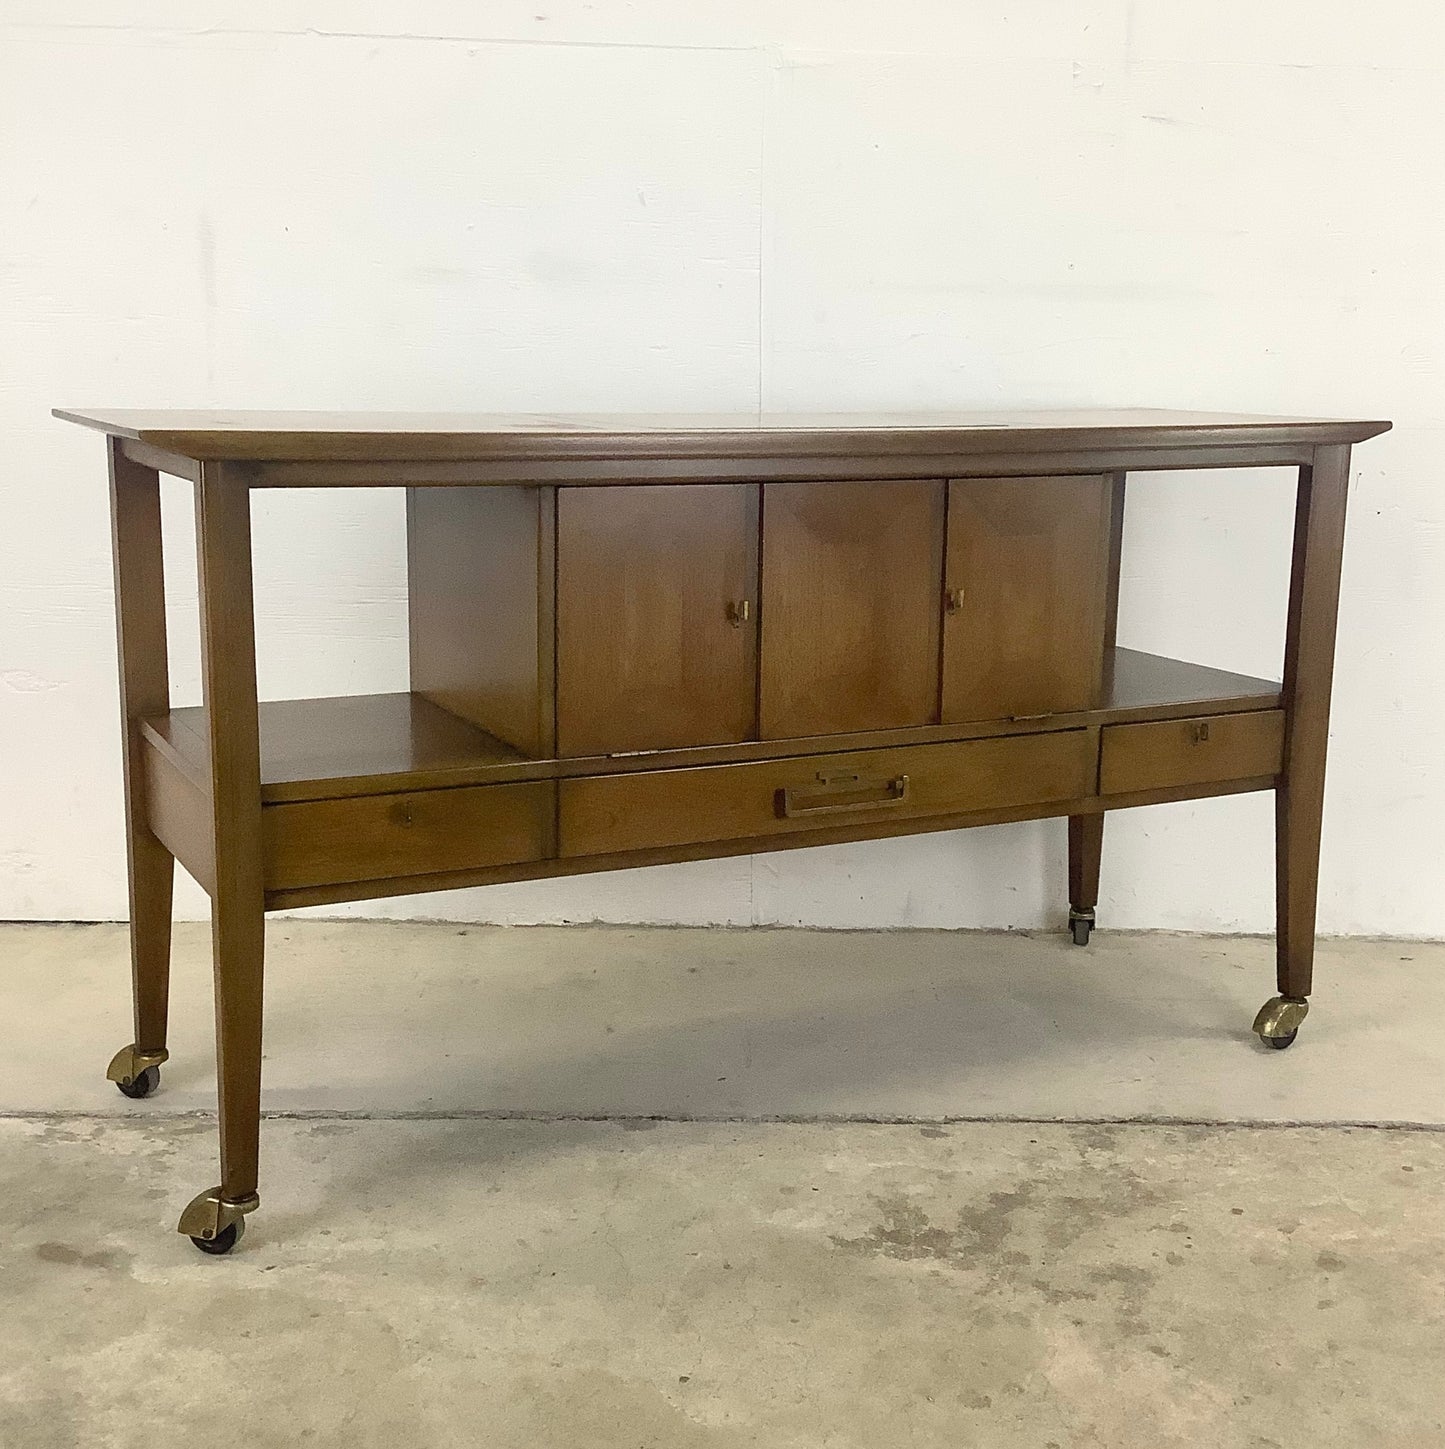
{"points": [[344, 436]]}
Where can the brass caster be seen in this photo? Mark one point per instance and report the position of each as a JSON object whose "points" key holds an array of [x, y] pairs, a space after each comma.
{"points": [[1081, 924], [214, 1223], [135, 1072], [1279, 1019]]}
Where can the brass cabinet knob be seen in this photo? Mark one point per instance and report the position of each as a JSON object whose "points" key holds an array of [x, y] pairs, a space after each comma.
{"points": [[952, 600], [737, 613]]}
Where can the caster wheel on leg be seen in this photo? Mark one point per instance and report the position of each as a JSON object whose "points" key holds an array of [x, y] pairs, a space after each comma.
{"points": [[1279, 1020], [223, 1242], [214, 1223], [1081, 924], [142, 1085], [136, 1073]]}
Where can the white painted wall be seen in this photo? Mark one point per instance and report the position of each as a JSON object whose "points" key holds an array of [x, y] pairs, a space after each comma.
{"points": [[654, 205]]}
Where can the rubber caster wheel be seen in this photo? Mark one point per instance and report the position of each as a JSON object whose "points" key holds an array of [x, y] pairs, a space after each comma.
{"points": [[136, 1073], [215, 1223], [140, 1085], [223, 1242], [1081, 926], [1279, 1020]]}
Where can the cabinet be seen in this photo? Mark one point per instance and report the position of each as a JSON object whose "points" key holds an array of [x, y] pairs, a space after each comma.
{"points": [[656, 617], [851, 576], [1027, 589], [640, 640]]}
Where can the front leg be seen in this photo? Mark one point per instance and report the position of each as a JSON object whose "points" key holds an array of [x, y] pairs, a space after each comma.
{"points": [[223, 526], [140, 629], [1308, 675]]}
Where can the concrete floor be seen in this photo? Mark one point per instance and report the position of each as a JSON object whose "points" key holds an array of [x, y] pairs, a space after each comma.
{"points": [[425, 1271]]}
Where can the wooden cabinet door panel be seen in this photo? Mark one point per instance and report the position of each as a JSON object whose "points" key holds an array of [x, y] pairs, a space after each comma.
{"points": [[851, 580], [1026, 582], [656, 617]]}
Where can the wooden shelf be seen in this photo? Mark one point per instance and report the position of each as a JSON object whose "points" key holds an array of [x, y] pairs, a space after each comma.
{"points": [[369, 744], [1154, 686], [349, 745]]}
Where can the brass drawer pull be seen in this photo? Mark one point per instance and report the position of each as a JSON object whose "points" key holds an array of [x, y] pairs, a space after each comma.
{"points": [[1199, 732], [737, 613], [837, 794]]}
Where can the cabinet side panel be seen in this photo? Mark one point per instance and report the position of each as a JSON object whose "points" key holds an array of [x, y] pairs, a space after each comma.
{"points": [[480, 616], [1111, 584]]}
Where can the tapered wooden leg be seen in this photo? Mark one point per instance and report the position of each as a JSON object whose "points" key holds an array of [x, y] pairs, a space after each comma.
{"points": [[1086, 847], [140, 618], [1308, 676], [223, 526]]}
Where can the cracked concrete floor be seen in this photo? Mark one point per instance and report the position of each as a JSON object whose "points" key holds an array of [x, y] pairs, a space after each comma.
{"points": [[440, 1280]]}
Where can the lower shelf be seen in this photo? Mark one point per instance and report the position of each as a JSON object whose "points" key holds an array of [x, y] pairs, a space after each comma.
{"points": [[389, 794], [377, 744], [354, 744]]}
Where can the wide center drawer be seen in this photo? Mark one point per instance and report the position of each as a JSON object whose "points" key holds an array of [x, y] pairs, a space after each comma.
{"points": [[420, 832], [602, 814]]}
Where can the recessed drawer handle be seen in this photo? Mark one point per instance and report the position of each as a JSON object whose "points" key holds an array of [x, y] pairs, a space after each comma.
{"points": [[837, 794]]}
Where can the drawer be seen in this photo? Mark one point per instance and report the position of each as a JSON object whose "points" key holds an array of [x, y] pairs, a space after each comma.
{"points": [[421, 832], [600, 814], [1201, 751]]}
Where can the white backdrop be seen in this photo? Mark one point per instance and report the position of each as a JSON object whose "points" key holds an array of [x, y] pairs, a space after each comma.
{"points": [[708, 206]]}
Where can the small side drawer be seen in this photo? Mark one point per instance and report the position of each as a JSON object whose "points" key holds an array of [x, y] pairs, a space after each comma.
{"points": [[603, 814], [1201, 751], [421, 832]]}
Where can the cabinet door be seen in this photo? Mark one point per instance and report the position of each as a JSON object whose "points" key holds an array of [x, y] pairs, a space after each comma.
{"points": [[656, 617], [1027, 580], [851, 604]]}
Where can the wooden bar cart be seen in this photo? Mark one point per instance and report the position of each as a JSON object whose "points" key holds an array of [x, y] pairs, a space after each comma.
{"points": [[661, 638]]}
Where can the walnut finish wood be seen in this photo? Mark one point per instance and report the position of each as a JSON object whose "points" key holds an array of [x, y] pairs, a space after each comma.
{"points": [[373, 837], [140, 626], [657, 608], [228, 670], [159, 460], [373, 744], [823, 467], [1190, 751], [179, 812], [1112, 569], [481, 608], [1157, 685], [1086, 853], [877, 829], [396, 437], [851, 581], [348, 744], [601, 815], [460, 783], [1027, 589], [1086, 832], [1309, 663]]}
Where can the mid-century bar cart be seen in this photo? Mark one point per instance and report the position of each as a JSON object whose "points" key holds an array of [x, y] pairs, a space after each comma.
{"points": [[660, 638]]}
